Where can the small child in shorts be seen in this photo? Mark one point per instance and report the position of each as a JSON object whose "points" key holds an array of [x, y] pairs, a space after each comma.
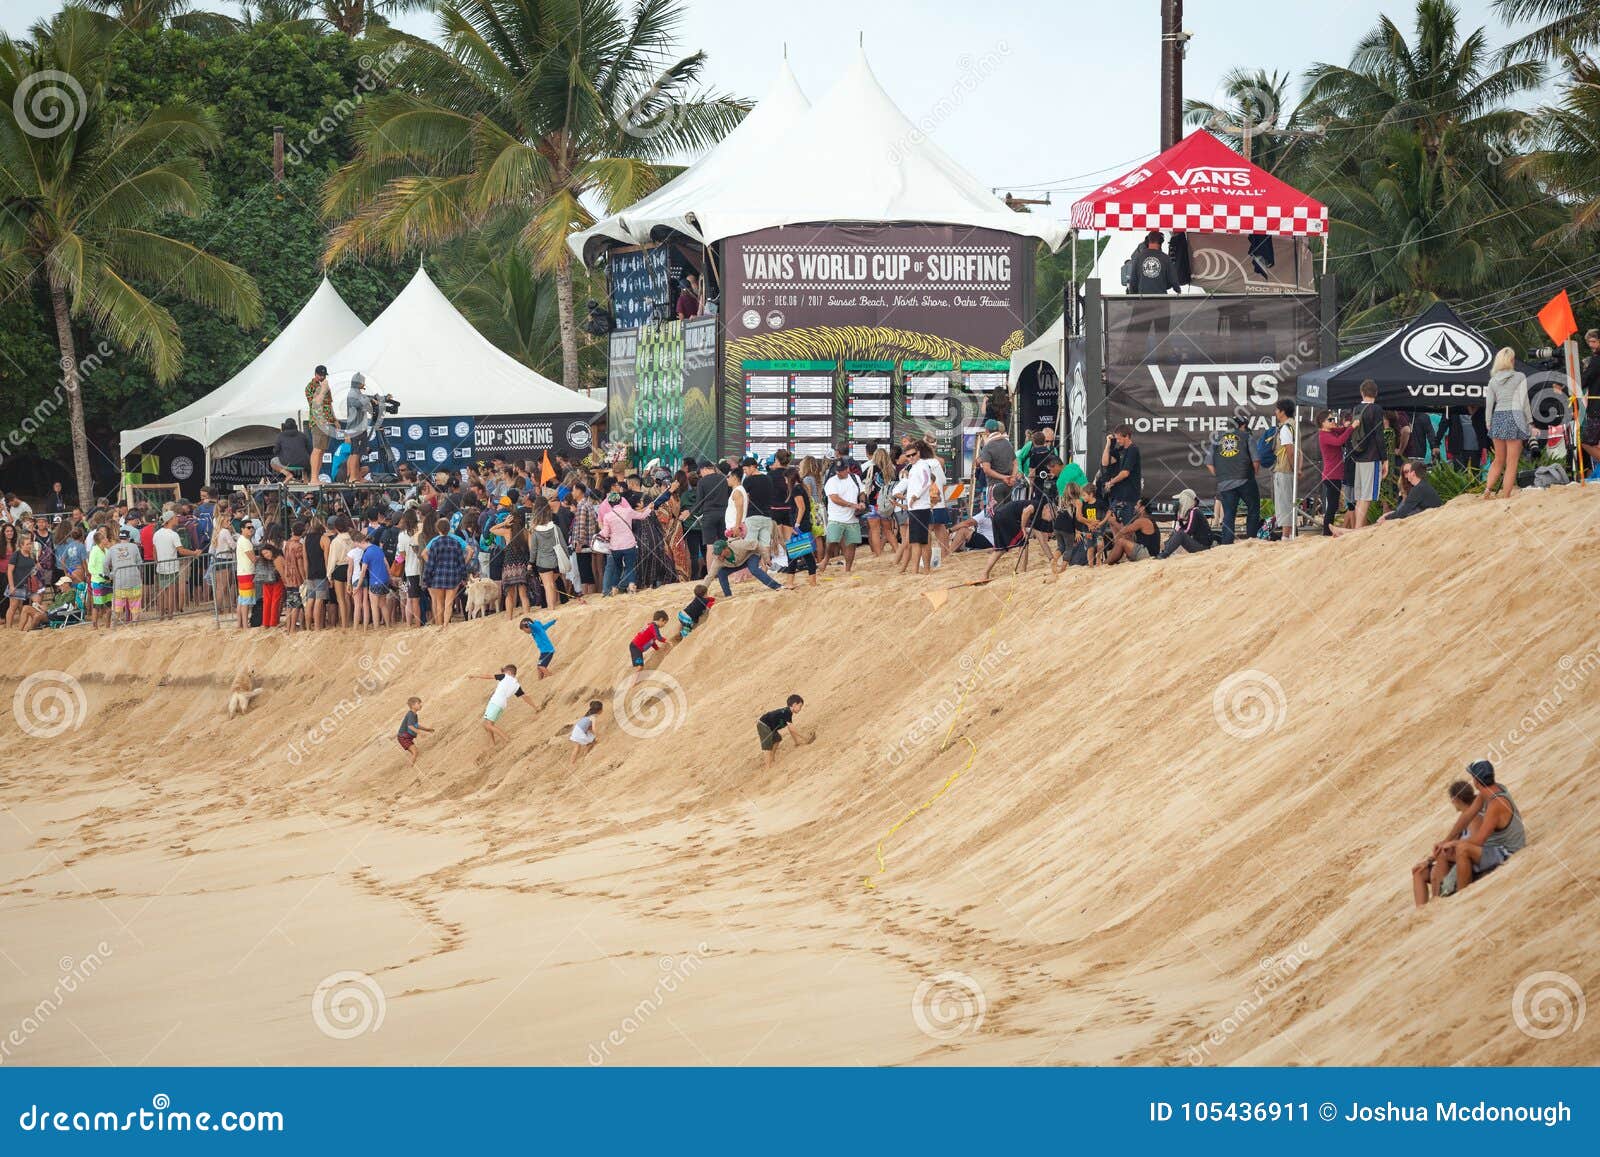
{"points": [[407, 735], [649, 639], [541, 639], [690, 617], [583, 732]]}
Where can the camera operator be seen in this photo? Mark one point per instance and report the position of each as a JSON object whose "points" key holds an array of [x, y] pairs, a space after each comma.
{"points": [[358, 420]]}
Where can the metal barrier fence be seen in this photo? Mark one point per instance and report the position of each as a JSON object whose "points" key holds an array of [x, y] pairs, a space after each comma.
{"points": [[192, 585]]}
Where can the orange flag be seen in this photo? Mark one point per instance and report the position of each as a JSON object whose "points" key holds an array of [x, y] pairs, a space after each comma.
{"points": [[547, 472], [1557, 319]]}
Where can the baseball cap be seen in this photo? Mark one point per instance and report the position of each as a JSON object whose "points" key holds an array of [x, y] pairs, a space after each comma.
{"points": [[563, 493], [170, 516], [505, 500], [1482, 771], [991, 425], [125, 534], [841, 464], [320, 371]]}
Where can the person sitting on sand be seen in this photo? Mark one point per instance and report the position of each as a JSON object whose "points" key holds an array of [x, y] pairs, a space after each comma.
{"points": [[507, 689], [584, 733], [1136, 539], [1495, 833], [1461, 796], [769, 728], [1191, 532]]}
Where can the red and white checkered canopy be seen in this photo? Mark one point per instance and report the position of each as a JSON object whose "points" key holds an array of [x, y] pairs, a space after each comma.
{"points": [[1200, 185]]}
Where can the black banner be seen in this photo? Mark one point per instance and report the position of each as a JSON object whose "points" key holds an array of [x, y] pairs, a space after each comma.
{"points": [[245, 468], [526, 438], [1179, 368], [622, 386]]}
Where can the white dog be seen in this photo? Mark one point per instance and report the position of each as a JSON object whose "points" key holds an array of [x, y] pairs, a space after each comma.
{"points": [[483, 597]]}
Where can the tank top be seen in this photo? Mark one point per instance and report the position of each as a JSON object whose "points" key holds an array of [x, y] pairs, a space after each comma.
{"points": [[1151, 541], [316, 563], [1512, 837]]}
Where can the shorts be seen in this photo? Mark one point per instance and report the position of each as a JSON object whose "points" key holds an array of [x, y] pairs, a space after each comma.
{"points": [[102, 594], [921, 520], [941, 516], [1140, 552], [492, 712], [586, 567], [291, 599], [848, 533], [545, 657], [341, 573], [125, 602], [638, 655], [319, 439], [316, 589], [1368, 477], [1493, 856], [769, 738], [379, 590], [406, 742], [759, 527], [163, 581], [413, 586], [581, 738], [686, 622]]}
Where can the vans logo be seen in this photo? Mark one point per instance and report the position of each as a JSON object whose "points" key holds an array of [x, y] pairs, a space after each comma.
{"points": [[1209, 176], [1243, 384], [1442, 346]]}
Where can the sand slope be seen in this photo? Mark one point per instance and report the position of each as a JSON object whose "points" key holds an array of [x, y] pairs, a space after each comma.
{"points": [[1186, 799]]}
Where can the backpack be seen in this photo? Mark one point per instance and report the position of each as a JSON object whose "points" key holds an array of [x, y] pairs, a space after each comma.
{"points": [[1266, 449]]}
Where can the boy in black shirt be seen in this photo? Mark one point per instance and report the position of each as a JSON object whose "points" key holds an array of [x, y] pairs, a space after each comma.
{"points": [[770, 726], [689, 618]]}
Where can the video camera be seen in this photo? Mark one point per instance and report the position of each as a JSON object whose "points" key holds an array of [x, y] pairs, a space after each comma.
{"points": [[382, 404]]}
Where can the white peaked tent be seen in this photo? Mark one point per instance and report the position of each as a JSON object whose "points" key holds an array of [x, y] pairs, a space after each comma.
{"points": [[247, 410], [672, 206], [853, 156], [1048, 347], [422, 352]]}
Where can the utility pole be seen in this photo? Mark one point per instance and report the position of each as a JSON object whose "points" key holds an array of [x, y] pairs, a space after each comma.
{"points": [[1173, 42]]}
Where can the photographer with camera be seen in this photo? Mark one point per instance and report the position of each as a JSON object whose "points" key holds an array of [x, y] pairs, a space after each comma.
{"points": [[358, 420]]}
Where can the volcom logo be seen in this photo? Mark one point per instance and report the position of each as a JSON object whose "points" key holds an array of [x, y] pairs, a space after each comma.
{"points": [[1454, 390], [1246, 384], [1442, 346]]}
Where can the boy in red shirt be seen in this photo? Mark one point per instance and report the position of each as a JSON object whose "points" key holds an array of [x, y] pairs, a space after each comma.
{"points": [[649, 639]]}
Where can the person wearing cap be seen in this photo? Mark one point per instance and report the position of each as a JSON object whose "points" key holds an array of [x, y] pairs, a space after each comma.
{"points": [[761, 495], [319, 418], [358, 418], [1152, 268], [842, 493], [1230, 461], [1191, 532], [126, 563], [169, 549], [1488, 838], [997, 462]]}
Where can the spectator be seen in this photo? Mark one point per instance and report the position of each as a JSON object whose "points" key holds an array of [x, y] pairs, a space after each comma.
{"points": [[291, 455], [1229, 460], [585, 528], [616, 530], [1368, 449], [1286, 464], [1509, 413], [1462, 795], [170, 569], [1495, 832], [1124, 473], [1332, 439], [56, 501], [1191, 532], [997, 462], [292, 572]]}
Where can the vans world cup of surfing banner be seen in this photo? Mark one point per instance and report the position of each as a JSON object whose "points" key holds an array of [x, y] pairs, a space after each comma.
{"points": [[1178, 368]]}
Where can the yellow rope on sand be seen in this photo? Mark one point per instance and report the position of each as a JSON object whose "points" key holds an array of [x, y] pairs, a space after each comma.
{"points": [[870, 881]]}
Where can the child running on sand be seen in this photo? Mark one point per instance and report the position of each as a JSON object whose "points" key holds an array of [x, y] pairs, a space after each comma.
{"points": [[583, 732], [769, 728], [649, 639], [407, 735], [508, 688], [691, 616], [541, 639]]}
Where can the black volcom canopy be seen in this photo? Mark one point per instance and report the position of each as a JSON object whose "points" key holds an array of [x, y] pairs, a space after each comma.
{"points": [[1434, 362]]}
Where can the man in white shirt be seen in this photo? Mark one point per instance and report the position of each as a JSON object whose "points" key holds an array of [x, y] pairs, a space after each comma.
{"points": [[1286, 460], [169, 546], [921, 484], [843, 494], [17, 509]]}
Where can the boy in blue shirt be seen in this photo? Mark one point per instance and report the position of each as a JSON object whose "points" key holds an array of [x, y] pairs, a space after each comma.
{"points": [[541, 639]]}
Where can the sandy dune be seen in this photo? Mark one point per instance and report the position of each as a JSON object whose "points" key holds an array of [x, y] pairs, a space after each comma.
{"points": [[1179, 807]]}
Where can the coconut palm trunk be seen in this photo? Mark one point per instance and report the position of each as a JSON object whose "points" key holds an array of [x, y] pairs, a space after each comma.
{"points": [[569, 324], [71, 383]]}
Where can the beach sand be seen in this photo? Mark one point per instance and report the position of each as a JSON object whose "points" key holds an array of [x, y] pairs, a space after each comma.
{"points": [[1173, 813]]}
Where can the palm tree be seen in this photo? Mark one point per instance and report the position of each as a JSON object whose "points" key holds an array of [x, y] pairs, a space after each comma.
{"points": [[1254, 117], [525, 110], [139, 15], [1568, 164], [352, 18], [1574, 23], [82, 196], [1442, 83]]}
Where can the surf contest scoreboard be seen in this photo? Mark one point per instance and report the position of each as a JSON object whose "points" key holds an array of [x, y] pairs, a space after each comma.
{"points": [[810, 407]]}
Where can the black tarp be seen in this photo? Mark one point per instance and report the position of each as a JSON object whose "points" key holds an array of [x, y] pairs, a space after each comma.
{"points": [[1434, 362]]}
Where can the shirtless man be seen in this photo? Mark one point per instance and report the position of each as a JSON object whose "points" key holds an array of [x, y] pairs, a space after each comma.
{"points": [[1496, 832]]}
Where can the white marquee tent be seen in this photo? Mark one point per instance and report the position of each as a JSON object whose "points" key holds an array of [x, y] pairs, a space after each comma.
{"points": [[420, 350], [247, 409], [852, 156]]}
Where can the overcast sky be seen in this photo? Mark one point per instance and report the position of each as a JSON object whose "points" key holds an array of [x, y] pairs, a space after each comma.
{"points": [[1068, 90]]}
